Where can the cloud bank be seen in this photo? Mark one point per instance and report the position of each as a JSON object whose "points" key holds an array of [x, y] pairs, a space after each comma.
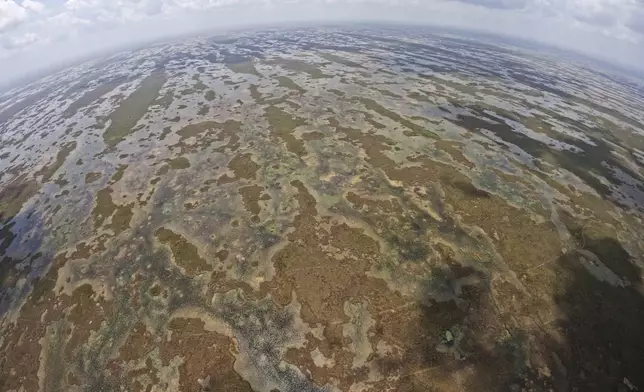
{"points": [[35, 33]]}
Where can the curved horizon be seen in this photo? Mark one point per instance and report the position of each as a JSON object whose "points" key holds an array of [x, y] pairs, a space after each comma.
{"points": [[38, 35]]}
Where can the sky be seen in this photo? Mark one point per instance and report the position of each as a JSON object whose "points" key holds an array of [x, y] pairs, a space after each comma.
{"points": [[43, 33]]}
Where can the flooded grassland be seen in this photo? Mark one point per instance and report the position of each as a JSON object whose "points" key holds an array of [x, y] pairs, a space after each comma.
{"points": [[323, 210]]}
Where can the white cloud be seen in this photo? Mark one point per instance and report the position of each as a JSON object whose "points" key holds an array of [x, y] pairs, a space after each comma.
{"points": [[117, 11], [636, 21], [614, 17], [608, 16], [66, 19], [19, 41], [11, 15], [32, 5], [498, 4]]}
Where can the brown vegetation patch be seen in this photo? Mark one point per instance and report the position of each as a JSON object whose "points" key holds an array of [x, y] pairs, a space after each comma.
{"points": [[251, 195], [185, 254], [455, 150], [242, 166], [206, 356], [206, 133]]}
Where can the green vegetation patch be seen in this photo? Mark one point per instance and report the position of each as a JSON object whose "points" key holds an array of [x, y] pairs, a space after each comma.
{"points": [[287, 82], [49, 170], [90, 96], [210, 95], [14, 195], [91, 177], [104, 207], [370, 104], [340, 60], [283, 124], [244, 67], [301, 66], [132, 109], [179, 163]]}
